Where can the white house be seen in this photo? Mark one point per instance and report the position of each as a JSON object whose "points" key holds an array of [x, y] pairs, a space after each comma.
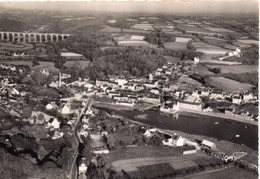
{"points": [[51, 106], [57, 135], [83, 132], [54, 123], [15, 92], [248, 96], [89, 111], [83, 168], [196, 60], [45, 72], [236, 99], [121, 81], [173, 142], [65, 109]]}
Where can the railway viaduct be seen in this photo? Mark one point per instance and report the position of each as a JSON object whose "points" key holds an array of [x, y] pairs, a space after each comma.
{"points": [[32, 37]]}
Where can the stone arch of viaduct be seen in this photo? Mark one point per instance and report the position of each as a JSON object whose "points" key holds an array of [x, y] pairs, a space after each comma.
{"points": [[32, 37]]}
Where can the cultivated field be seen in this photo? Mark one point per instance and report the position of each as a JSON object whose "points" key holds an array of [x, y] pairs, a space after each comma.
{"points": [[141, 152], [175, 45], [218, 29], [228, 85], [249, 41], [18, 62], [193, 29], [133, 43], [182, 39], [188, 80], [229, 173], [115, 29], [209, 49], [133, 164], [80, 63], [202, 70], [15, 47], [48, 65], [171, 59], [235, 68]]}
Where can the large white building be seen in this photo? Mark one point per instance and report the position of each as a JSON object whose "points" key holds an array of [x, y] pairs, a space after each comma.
{"points": [[187, 105]]}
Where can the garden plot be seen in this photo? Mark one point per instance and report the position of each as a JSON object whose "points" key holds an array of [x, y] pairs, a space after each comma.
{"points": [[194, 29], [228, 85], [143, 27], [175, 45], [219, 29], [249, 41], [209, 49], [130, 165], [235, 68], [182, 39]]}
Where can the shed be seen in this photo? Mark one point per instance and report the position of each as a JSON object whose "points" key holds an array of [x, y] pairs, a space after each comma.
{"points": [[188, 149], [208, 144]]}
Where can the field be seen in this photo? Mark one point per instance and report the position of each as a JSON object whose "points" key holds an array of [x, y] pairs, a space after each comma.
{"points": [[218, 29], [202, 70], [133, 43], [182, 39], [171, 59], [49, 65], [133, 164], [80, 63], [175, 45], [249, 41], [228, 85], [143, 27], [229, 173], [235, 68], [141, 152], [214, 41], [209, 49], [29, 63], [15, 47], [188, 80], [194, 29], [115, 29]]}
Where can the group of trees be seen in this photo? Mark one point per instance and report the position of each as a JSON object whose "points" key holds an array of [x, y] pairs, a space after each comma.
{"points": [[183, 54], [86, 44], [127, 61], [215, 70], [158, 38]]}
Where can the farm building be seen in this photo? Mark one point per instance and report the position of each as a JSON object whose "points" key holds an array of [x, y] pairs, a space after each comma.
{"points": [[71, 55], [137, 37], [187, 105], [208, 144], [188, 150], [98, 146], [182, 39]]}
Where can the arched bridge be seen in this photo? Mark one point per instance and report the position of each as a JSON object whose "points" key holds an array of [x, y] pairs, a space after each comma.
{"points": [[32, 37]]}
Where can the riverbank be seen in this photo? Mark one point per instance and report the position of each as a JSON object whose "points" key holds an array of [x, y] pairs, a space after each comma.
{"points": [[223, 145], [218, 115], [114, 106]]}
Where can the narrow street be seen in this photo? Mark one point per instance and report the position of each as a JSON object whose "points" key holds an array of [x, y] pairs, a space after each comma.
{"points": [[73, 169]]}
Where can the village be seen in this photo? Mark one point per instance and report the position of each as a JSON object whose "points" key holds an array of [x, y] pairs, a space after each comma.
{"points": [[59, 113], [128, 95]]}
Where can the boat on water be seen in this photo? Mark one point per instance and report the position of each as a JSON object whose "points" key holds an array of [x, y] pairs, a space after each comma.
{"points": [[237, 135], [216, 122]]}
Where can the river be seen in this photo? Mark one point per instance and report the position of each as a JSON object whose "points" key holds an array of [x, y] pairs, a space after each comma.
{"points": [[219, 128]]}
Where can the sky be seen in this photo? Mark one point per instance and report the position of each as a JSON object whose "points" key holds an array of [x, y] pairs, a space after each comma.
{"points": [[179, 6]]}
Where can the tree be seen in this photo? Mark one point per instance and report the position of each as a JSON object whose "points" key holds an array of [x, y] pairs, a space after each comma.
{"points": [[38, 78], [26, 111]]}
